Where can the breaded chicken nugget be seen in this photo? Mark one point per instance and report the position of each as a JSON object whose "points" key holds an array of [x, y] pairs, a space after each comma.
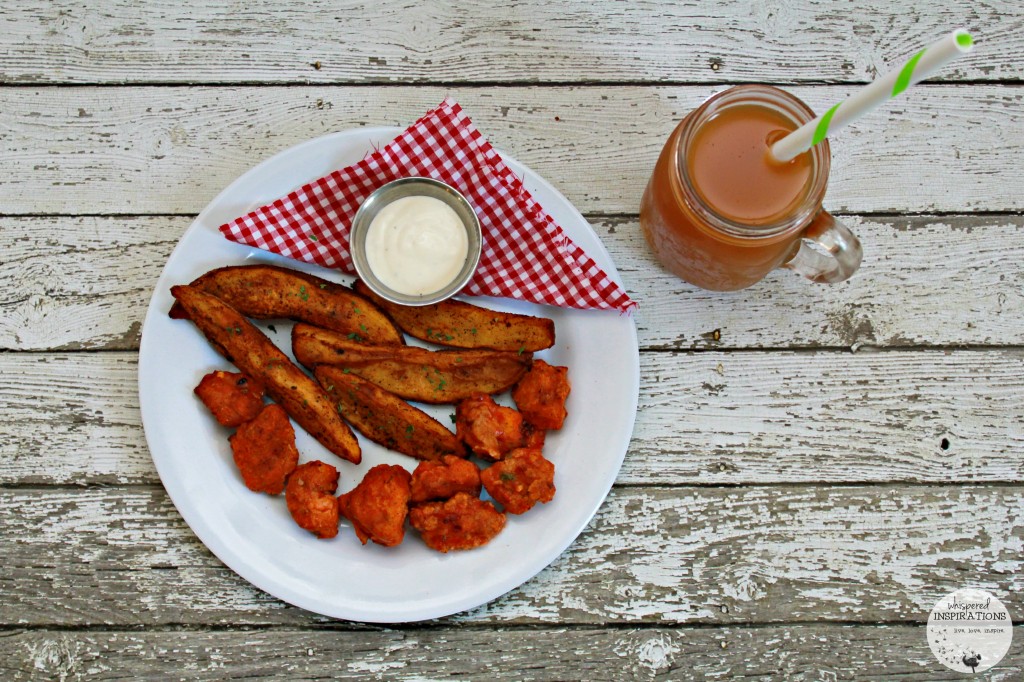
{"points": [[439, 480], [310, 497], [264, 450], [232, 397], [540, 395], [463, 522], [377, 507], [521, 480], [490, 430], [533, 436]]}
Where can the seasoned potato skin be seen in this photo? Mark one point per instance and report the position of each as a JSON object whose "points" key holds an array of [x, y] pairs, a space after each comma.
{"points": [[377, 507], [264, 450], [231, 397], [271, 292], [440, 480], [462, 522], [385, 418], [463, 325], [251, 351], [310, 498], [435, 377]]}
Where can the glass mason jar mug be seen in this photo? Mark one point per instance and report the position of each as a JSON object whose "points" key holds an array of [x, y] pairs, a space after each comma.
{"points": [[719, 213]]}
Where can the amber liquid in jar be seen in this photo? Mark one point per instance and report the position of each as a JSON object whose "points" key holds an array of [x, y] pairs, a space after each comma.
{"points": [[724, 173]]}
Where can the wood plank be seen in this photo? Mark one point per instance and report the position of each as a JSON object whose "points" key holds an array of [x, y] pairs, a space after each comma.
{"points": [[723, 418], [792, 652], [109, 150], [124, 557], [58, 288], [705, 418], [925, 281], [946, 281], [157, 41], [72, 418]]}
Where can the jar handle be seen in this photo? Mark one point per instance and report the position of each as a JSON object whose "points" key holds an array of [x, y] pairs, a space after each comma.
{"points": [[828, 251]]}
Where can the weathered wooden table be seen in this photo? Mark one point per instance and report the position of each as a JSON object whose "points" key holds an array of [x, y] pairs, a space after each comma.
{"points": [[812, 466]]}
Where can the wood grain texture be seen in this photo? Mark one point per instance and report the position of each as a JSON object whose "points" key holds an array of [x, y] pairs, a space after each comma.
{"points": [[157, 41], [797, 653], [945, 281], [704, 418], [829, 416], [124, 556], [80, 283], [137, 150]]}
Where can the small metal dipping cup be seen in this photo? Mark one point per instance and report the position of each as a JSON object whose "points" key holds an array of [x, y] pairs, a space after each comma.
{"points": [[406, 187]]}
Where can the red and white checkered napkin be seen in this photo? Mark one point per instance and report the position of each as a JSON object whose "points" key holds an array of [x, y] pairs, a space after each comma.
{"points": [[525, 253]]}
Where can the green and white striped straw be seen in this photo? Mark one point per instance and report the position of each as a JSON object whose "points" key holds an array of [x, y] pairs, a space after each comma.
{"points": [[920, 66]]}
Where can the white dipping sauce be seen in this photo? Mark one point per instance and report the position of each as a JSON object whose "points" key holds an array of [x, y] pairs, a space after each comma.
{"points": [[416, 245]]}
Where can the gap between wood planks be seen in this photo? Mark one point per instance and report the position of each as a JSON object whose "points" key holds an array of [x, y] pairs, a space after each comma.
{"points": [[469, 626], [467, 85]]}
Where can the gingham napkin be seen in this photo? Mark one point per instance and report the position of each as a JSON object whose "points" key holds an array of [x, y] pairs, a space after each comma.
{"points": [[526, 255]]}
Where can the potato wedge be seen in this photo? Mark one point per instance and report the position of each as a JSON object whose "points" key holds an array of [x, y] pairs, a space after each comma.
{"points": [[269, 292], [251, 351], [438, 377], [463, 325], [386, 419]]}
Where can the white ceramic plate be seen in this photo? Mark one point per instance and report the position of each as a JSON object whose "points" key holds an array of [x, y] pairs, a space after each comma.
{"points": [[253, 533]]}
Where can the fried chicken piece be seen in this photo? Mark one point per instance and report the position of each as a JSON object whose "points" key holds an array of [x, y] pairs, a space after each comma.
{"points": [[310, 497], [439, 480], [462, 522], [232, 397], [540, 395], [264, 450], [490, 430], [377, 507], [533, 437], [519, 481]]}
